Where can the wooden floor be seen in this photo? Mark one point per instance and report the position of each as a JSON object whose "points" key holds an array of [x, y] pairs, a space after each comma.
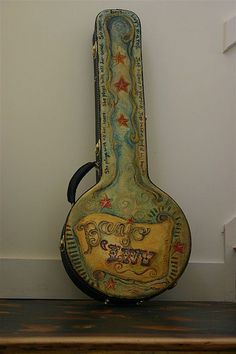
{"points": [[60, 326]]}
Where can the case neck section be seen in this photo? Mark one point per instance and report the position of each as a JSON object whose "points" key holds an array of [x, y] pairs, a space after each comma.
{"points": [[119, 95]]}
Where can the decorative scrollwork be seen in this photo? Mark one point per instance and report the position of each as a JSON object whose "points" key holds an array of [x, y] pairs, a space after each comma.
{"points": [[92, 234]]}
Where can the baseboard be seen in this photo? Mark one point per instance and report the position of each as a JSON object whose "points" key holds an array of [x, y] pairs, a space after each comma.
{"points": [[33, 278], [46, 278]]}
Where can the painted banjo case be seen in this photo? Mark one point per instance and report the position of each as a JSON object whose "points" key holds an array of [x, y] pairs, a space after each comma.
{"points": [[124, 240]]}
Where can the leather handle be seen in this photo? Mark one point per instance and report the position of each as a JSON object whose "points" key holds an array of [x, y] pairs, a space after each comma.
{"points": [[76, 178]]}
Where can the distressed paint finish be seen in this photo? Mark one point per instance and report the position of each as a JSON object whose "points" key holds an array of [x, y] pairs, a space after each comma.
{"points": [[66, 326], [125, 237]]}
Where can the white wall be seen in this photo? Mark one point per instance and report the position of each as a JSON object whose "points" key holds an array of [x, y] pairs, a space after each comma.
{"points": [[47, 126]]}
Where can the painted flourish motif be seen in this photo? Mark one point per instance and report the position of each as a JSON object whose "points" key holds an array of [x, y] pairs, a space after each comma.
{"points": [[125, 237]]}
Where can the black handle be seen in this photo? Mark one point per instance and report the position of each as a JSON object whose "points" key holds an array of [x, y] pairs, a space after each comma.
{"points": [[76, 178]]}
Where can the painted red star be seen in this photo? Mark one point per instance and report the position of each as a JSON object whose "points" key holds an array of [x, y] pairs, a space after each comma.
{"points": [[122, 120], [119, 58], [122, 85], [179, 247], [110, 284], [105, 202], [130, 220]]}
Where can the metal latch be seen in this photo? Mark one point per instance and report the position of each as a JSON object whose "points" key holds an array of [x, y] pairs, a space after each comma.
{"points": [[62, 244], [98, 147], [94, 50]]}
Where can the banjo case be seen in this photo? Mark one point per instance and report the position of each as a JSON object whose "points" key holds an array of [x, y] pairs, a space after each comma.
{"points": [[124, 240]]}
